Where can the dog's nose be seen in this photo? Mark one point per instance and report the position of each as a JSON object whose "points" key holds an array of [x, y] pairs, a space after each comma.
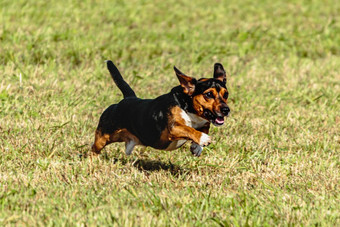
{"points": [[225, 110]]}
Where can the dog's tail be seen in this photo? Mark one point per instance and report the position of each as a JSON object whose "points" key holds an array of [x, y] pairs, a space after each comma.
{"points": [[118, 79]]}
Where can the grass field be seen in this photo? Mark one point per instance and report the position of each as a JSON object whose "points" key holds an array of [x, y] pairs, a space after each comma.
{"points": [[275, 162]]}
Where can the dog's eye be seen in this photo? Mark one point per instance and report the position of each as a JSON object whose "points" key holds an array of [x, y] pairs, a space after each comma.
{"points": [[209, 95], [225, 95]]}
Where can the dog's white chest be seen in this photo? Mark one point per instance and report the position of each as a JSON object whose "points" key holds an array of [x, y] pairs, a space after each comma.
{"points": [[192, 120]]}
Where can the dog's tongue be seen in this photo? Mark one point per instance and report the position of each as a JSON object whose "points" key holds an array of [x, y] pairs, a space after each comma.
{"points": [[219, 120]]}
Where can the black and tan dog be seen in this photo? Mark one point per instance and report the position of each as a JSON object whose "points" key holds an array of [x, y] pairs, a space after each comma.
{"points": [[168, 121]]}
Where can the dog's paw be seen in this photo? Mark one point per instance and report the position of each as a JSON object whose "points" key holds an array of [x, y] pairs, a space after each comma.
{"points": [[196, 149], [205, 140]]}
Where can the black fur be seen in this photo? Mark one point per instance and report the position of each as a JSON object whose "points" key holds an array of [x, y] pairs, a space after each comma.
{"points": [[119, 81], [145, 118], [201, 86]]}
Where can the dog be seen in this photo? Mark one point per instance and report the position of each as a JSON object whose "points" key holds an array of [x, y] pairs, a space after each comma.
{"points": [[168, 121]]}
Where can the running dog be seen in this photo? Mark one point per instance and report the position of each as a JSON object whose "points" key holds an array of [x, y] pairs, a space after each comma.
{"points": [[168, 121]]}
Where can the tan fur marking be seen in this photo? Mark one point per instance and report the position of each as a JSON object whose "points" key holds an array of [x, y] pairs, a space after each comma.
{"points": [[100, 141], [179, 130], [213, 104], [120, 135], [174, 118]]}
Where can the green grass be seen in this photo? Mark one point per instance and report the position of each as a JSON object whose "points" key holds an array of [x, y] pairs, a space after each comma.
{"points": [[275, 162]]}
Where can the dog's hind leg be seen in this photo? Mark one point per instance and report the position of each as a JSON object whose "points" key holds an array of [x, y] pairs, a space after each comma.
{"points": [[119, 135], [129, 145], [130, 141], [100, 141]]}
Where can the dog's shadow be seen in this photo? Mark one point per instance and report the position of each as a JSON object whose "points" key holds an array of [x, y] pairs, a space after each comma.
{"points": [[144, 165], [148, 166]]}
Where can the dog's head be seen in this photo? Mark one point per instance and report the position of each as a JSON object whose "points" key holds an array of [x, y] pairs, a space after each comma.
{"points": [[209, 95]]}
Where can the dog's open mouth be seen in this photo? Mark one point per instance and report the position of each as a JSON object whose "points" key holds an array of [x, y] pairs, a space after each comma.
{"points": [[213, 118], [219, 121]]}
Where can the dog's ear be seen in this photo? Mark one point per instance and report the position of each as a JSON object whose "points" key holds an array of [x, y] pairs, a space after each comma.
{"points": [[188, 83], [219, 72]]}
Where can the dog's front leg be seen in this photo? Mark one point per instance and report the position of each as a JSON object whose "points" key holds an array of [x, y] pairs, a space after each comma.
{"points": [[195, 148], [179, 132]]}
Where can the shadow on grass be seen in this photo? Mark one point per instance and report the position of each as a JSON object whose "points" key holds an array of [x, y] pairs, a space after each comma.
{"points": [[145, 165]]}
